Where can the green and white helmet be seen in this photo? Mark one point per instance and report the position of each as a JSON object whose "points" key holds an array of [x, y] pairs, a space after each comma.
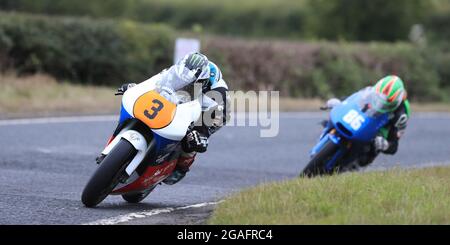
{"points": [[388, 94]]}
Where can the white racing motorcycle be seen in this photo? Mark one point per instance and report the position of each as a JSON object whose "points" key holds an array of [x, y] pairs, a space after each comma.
{"points": [[146, 150]]}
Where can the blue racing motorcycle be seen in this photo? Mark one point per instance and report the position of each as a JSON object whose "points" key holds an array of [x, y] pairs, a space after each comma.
{"points": [[352, 126]]}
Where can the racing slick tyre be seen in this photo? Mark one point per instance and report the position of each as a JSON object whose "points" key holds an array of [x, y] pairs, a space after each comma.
{"points": [[317, 166], [108, 174]]}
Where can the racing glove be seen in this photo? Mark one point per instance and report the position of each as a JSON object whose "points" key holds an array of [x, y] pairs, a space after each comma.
{"points": [[121, 90], [169, 94], [195, 141], [381, 144], [331, 103]]}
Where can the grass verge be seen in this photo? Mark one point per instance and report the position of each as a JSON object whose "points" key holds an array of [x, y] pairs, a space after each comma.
{"points": [[419, 196], [41, 95]]}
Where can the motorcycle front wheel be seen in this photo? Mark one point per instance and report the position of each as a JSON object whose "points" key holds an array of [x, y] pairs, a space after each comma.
{"points": [[108, 174], [317, 166]]}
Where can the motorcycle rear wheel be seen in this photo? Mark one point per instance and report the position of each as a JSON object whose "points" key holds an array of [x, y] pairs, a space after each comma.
{"points": [[108, 174], [316, 166]]}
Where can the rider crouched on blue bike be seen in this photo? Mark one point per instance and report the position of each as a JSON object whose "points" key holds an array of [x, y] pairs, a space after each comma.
{"points": [[192, 69], [387, 96]]}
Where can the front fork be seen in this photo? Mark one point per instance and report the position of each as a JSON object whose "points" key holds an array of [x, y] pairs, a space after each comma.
{"points": [[139, 143], [329, 134]]}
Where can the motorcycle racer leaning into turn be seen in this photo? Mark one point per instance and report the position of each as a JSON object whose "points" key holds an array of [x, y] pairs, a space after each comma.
{"points": [[193, 69], [388, 95]]}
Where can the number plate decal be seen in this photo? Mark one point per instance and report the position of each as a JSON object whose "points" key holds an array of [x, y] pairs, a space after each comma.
{"points": [[354, 119], [154, 110]]}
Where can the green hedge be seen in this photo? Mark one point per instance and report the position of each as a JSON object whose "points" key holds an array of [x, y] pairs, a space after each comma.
{"points": [[362, 20], [249, 17], [438, 26], [110, 52], [100, 52], [329, 69]]}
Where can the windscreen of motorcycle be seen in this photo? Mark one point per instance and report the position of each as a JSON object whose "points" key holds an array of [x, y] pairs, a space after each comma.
{"points": [[154, 110], [355, 121]]}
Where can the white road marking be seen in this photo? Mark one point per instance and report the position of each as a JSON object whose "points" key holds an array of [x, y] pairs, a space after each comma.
{"points": [[49, 120], [144, 214]]}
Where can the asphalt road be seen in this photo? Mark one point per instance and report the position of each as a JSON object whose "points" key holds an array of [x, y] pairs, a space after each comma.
{"points": [[44, 166]]}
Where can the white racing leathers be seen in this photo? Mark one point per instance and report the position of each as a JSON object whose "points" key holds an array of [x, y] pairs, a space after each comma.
{"points": [[215, 98]]}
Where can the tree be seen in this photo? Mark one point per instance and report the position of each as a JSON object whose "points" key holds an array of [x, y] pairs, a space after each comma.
{"points": [[365, 20]]}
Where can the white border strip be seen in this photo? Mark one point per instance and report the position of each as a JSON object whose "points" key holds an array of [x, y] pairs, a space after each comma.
{"points": [[145, 214], [49, 120]]}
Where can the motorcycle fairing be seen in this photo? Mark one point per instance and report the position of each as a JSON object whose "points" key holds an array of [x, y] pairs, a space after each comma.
{"points": [[124, 115], [340, 131], [166, 134], [154, 110], [366, 127], [152, 176], [183, 114], [326, 136]]}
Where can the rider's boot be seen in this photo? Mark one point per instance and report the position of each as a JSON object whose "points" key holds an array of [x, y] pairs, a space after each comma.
{"points": [[183, 164]]}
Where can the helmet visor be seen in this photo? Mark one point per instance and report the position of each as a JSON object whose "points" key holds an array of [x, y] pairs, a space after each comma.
{"points": [[380, 103]]}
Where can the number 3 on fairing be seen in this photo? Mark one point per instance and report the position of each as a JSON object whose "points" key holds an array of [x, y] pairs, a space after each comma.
{"points": [[154, 109], [354, 119]]}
